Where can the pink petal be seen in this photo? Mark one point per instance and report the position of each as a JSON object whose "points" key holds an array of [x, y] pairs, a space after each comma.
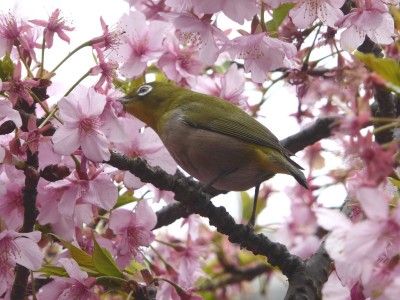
{"points": [[373, 203], [83, 213], [120, 220], [240, 10], [132, 182], [330, 15], [102, 192], [68, 106], [302, 16], [383, 34], [66, 140], [68, 200], [133, 68], [93, 103], [146, 215], [351, 39], [330, 219], [95, 146], [73, 269], [156, 32], [31, 256]]}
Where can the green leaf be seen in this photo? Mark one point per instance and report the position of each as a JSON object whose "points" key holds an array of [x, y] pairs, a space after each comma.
{"points": [[134, 267], [386, 68], [125, 198], [81, 257], [6, 67], [278, 16], [110, 282], [52, 270], [104, 262], [395, 182], [247, 206], [129, 86]]}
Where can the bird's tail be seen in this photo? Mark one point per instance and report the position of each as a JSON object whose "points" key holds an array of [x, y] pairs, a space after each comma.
{"points": [[295, 170], [289, 166]]}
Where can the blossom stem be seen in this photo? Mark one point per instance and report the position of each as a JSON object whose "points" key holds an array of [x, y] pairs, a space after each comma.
{"points": [[382, 120], [42, 62], [315, 62], [262, 20], [37, 100], [76, 161], [24, 62], [306, 60], [76, 83], [386, 127], [257, 106], [175, 285], [50, 115], [85, 44], [160, 257], [33, 287]]}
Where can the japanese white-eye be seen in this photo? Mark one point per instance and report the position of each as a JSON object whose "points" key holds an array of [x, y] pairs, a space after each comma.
{"points": [[210, 138]]}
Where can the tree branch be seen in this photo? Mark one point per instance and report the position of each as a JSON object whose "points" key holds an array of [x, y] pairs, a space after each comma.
{"points": [[188, 194], [29, 194]]}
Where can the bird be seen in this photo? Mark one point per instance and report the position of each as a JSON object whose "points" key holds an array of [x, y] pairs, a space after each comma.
{"points": [[213, 140]]}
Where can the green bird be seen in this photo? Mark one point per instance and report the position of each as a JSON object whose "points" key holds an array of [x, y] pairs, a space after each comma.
{"points": [[212, 139]]}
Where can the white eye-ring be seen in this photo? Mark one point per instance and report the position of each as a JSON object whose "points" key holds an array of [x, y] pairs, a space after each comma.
{"points": [[144, 90]]}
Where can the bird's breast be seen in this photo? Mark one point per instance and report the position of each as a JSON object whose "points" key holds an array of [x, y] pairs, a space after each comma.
{"points": [[206, 154]]}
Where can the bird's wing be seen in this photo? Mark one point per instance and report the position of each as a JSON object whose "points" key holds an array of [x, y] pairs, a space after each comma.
{"points": [[239, 125]]}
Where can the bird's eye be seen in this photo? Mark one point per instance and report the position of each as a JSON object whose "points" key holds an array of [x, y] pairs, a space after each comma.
{"points": [[144, 90]]}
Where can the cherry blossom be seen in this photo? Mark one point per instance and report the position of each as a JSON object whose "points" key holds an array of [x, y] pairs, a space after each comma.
{"points": [[237, 10], [147, 145], [11, 208], [228, 86], [261, 54], [134, 230], [184, 266], [82, 127], [200, 34], [34, 136], [277, 3], [370, 18], [18, 248], [307, 11], [78, 286], [297, 233], [110, 39], [107, 71], [91, 187], [376, 161], [10, 31], [55, 24], [29, 44], [141, 43], [356, 249], [8, 113], [18, 88], [179, 64], [180, 5], [21, 248], [150, 8], [6, 277]]}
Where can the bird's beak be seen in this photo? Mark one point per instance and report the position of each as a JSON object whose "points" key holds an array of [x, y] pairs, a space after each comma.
{"points": [[124, 100]]}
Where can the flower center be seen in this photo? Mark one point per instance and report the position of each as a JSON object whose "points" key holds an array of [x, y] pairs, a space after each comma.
{"points": [[90, 124]]}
